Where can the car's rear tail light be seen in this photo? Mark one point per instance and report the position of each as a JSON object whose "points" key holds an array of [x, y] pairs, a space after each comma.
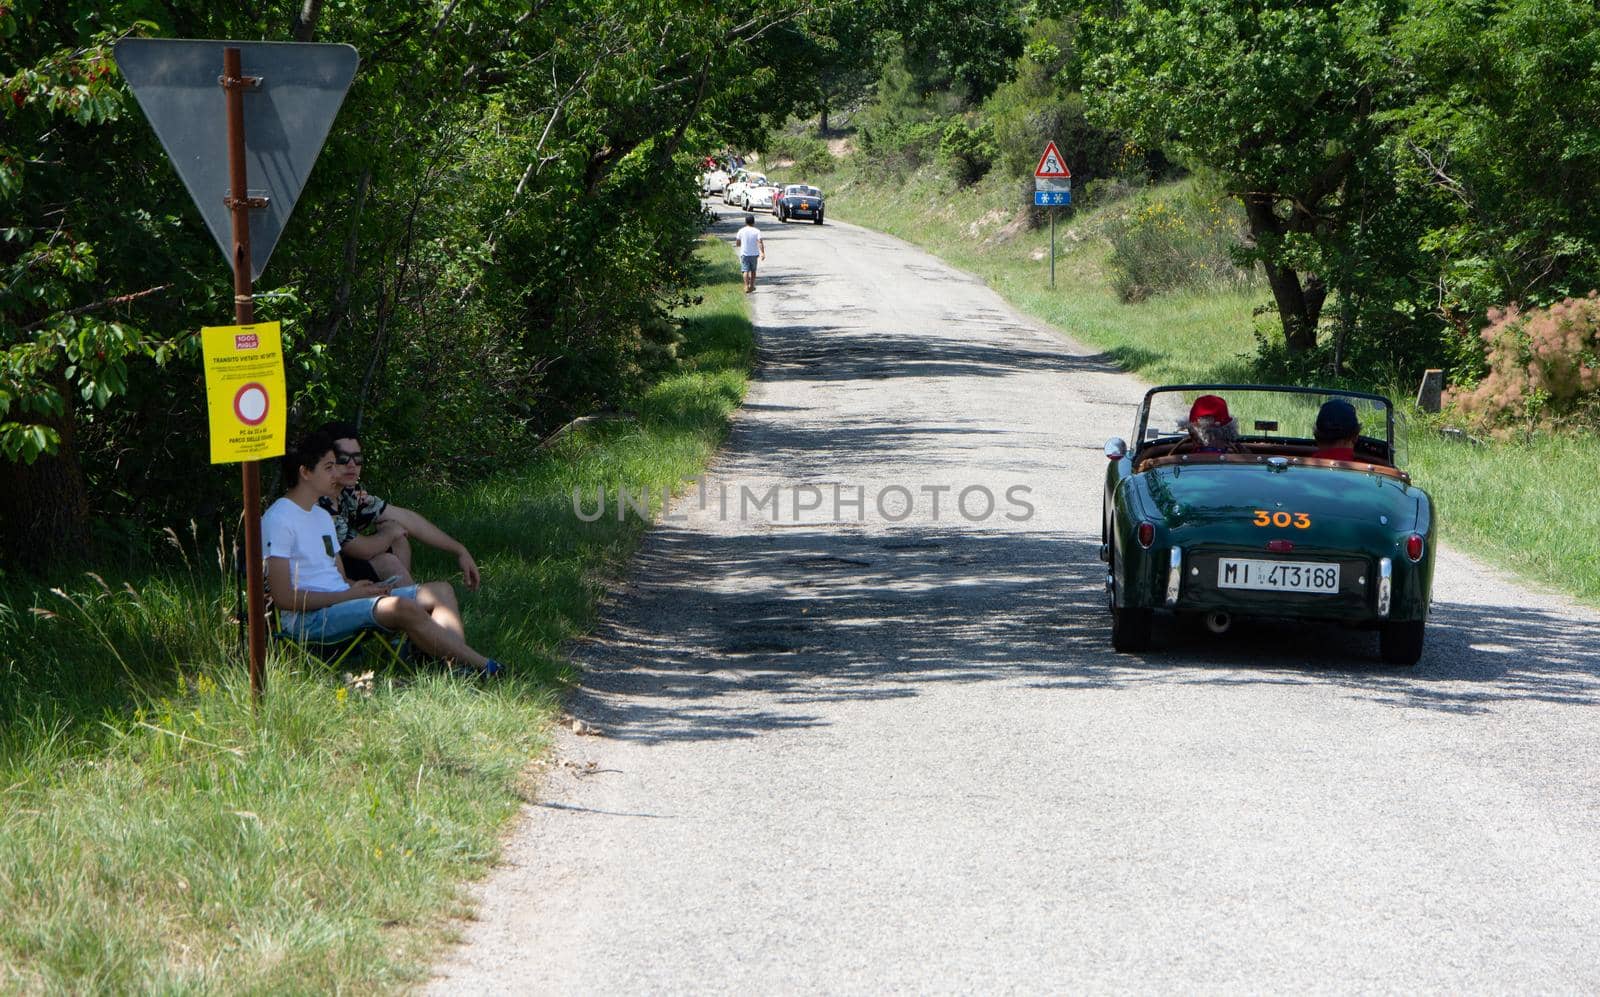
{"points": [[1280, 546], [1147, 535], [1414, 547]]}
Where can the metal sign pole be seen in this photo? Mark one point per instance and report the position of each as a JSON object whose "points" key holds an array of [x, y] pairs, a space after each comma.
{"points": [[1052, 247], [234, 83]]}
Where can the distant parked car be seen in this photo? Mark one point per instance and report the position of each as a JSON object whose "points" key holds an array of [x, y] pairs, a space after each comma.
{"points": [[799, 200], [763, 195], [714, 182]]}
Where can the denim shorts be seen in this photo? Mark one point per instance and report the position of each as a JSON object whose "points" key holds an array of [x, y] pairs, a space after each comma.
{"points": [[339, 621], [748, 263]]}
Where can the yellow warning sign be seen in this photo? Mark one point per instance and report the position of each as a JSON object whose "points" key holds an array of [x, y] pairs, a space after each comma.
{"points": [[245, 391]]}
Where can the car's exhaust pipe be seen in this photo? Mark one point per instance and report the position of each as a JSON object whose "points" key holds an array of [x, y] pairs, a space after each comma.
{"points": [[1219, 622]]}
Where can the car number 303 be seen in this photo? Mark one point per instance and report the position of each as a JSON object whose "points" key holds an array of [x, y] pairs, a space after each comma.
{"points": [[1277, 576]]}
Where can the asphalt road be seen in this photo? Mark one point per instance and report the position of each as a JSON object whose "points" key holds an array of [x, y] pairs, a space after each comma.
{"points": [[875, 753]]}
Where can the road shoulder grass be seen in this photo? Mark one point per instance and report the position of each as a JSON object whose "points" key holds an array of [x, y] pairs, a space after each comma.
{"points": [[1523, 505], [158, 834]]}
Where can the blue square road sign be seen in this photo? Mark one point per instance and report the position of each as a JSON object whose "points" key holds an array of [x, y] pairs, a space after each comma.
{"points": [[1048, 198]]}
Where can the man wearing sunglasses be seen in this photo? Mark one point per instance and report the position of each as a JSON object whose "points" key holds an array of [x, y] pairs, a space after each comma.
{"points": [[375, 535], [316, 602]]}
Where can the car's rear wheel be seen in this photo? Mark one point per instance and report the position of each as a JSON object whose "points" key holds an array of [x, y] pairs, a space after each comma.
{"points": [[1401, 643], [1130, 628]]}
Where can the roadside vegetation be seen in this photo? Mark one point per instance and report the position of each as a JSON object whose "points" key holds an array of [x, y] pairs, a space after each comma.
{"points": [[490, 244], [156, 833], [1521, 500], [1342, 217]]}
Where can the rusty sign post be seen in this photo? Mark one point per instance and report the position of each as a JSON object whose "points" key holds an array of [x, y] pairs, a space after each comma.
{"points": [[295, 92], [234, 83]]}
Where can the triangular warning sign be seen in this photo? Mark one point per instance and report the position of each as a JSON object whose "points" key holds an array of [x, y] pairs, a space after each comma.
{"points": [[1051, 164], [286, 120]]}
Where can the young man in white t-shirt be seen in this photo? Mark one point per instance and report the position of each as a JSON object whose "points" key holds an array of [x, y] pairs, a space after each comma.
{"points": [[750, 247], [316, 602]]}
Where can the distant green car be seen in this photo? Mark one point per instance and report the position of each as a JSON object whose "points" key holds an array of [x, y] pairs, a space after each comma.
{"points": [[1261, 528]]}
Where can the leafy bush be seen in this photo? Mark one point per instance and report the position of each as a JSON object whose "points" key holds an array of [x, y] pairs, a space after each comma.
{"points": [[967, 151], [901, 148], [809, 154], [1173, 238], [1544, 367]]}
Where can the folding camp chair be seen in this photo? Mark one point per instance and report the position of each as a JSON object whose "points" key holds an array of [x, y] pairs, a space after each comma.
{"points": [[387, 648]]}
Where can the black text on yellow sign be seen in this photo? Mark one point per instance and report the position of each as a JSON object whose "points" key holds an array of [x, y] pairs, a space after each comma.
{"points": [[245, 391]]}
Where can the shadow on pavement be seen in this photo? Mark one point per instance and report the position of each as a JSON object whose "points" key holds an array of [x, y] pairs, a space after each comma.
{"points": [[811, 615], [822, 613]]}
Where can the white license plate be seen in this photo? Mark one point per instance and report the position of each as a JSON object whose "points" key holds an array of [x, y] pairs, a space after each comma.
{"points": [[1278, 576]]}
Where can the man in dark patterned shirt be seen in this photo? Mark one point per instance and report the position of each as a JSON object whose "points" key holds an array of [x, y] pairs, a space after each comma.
{"points": [[375, 535]]}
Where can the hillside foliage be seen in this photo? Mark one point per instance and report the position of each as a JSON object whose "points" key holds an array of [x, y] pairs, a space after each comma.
{"points": [[1397, 175]]}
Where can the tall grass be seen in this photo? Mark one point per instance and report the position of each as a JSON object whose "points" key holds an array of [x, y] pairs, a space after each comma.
{"points": [[1523, 504], [157, 833]]}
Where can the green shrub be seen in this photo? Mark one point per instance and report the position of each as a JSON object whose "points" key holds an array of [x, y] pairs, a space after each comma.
{"points": [[1173, 238], [902, 147], [809, 154], [967, 151]]}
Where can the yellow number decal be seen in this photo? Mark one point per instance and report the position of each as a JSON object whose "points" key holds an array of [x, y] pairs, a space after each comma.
{"points": [[1299, 520]]}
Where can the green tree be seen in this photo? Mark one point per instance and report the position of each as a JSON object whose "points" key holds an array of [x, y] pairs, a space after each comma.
{"points": [[490, 242], [1501, 127], [1282, 99], [954, 44]]}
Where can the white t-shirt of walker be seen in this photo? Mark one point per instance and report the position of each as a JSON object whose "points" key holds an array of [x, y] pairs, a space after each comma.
{"points": [[749, 241], [305, 537]]}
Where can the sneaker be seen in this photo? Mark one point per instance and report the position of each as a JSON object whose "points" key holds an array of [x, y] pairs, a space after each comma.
{"points": [[493, 669]]}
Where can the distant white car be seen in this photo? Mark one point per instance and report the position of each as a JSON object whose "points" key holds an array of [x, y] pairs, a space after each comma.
{"points": [[762, 193], [714, 182], [734, 194]]}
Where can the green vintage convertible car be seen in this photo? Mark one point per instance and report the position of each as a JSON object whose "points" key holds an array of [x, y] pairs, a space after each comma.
{"points": [[1227, 506]]}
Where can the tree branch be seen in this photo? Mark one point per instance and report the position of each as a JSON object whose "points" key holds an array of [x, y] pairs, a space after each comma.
{"points": [[121, 299]]}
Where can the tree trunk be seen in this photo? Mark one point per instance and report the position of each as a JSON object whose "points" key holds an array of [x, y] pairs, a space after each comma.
{"points": [[822, 121], [304, 27], [44, 506], [1298, 307]]}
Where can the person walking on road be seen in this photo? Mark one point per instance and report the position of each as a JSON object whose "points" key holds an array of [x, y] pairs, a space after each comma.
{"points": [[751, 247]]}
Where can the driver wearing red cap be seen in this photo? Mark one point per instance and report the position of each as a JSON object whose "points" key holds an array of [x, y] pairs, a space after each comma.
{"points": [[1211, 428]]}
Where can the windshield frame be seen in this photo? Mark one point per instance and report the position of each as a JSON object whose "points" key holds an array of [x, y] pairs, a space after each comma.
{"points": [[1396, 451]]}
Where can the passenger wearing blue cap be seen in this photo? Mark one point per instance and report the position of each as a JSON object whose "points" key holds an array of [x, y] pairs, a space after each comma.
{"points": [[1337, 430]]}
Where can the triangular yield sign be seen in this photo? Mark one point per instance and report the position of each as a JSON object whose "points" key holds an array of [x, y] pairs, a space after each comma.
{"points": [[1051, 164], [286, 120]]}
